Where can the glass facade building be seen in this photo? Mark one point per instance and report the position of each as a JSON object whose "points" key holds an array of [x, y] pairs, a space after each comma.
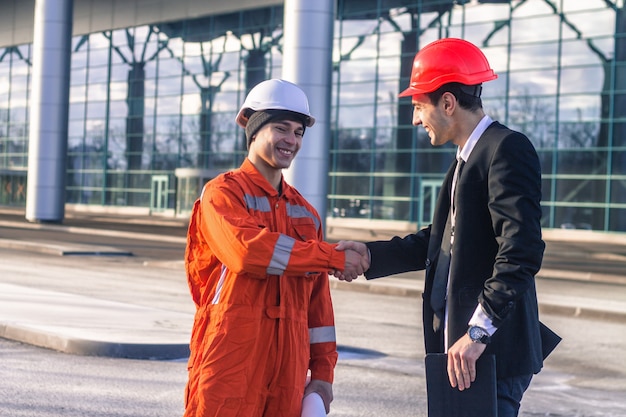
{"points": [[149, 101]]}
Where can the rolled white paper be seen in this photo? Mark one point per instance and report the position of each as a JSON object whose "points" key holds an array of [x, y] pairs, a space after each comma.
{"points": [[313, 406]]}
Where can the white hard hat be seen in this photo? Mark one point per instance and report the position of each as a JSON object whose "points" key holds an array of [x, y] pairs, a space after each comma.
{"points": [[275, 94]]}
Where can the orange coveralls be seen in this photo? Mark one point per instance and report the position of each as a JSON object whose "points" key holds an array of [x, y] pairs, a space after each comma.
{"points": [[256, 267]]}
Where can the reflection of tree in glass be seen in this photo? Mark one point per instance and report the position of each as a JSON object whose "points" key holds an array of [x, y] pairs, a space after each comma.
{"points": [[257, 32], [611, 134]]}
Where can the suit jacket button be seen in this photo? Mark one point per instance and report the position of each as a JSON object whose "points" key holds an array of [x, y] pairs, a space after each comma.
{"points": [[427, 262]]}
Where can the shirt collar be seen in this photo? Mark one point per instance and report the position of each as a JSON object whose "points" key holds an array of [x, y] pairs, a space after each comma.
{"points": [[473, 139], [260, 181]]}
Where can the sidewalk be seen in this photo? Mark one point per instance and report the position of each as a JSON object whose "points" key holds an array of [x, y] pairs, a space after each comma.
{"points": [[96, 310]]}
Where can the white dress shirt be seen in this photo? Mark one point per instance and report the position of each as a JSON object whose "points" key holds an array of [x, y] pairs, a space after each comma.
{"points": [[479, 318]]}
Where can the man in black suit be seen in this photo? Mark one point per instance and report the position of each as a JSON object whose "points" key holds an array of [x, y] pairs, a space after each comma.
{"points": [[484, 247]]}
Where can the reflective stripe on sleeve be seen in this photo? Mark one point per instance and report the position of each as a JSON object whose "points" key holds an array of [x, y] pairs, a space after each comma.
{"points": [[281, 255], [322, 334]]}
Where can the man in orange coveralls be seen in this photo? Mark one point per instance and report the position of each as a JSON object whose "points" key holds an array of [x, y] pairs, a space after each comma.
{"points": [[257, 270]]}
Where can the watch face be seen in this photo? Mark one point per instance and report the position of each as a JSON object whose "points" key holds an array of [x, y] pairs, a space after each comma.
{"points": [[476, 333]]}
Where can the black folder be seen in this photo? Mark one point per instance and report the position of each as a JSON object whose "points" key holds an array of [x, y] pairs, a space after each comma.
{"points": [[479, 400], [549, 340]]}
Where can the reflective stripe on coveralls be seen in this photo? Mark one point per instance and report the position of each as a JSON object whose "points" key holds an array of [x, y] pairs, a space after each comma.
{"points": [[322, 334], [280, 257]]}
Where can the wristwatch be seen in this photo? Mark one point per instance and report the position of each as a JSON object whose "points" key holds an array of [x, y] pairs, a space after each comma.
{"points": [[478, 335]]}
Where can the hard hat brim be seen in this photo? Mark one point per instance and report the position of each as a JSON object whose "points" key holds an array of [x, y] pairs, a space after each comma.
{"points": [[410, 92]]}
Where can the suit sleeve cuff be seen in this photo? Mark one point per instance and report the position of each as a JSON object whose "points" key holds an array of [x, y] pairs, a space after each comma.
{"points": [[481, 319]]}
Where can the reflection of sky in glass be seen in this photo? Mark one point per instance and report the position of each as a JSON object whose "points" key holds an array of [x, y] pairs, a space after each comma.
{"points": [[532, 60], [367, 58]]}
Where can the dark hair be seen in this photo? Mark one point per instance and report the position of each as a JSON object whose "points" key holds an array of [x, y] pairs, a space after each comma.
{"points": [[468, 96]]}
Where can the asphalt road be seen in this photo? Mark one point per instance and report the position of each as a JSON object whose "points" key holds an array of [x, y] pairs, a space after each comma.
{"points": [[380, 371]]}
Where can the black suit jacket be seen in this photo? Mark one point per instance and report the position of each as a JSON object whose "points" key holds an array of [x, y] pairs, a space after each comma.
{"points": [[497, 250]]}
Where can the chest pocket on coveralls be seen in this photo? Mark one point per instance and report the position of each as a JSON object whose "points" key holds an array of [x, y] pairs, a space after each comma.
{"points": [[304, 228]]}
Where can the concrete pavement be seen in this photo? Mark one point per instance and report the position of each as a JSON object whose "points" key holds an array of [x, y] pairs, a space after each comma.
{"points": [[66, 287]]}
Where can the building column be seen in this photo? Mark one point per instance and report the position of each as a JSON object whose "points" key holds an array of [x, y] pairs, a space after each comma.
{"points": [[307, 61], [49, 107]]}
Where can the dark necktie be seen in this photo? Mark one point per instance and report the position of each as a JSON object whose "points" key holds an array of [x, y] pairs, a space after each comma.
{"points": [[440, 283]]}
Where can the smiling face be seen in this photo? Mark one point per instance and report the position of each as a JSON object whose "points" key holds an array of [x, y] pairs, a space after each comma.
{"points": [[274, 147], [434, 118]]}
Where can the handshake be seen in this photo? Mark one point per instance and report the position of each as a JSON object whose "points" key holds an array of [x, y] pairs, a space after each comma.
{"points": [[357, 260]]}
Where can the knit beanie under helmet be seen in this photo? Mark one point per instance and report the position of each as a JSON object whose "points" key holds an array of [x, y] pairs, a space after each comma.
{"points": [[260, 118]]}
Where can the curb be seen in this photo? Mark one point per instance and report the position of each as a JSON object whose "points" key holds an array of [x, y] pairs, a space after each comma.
{"points": [[84, 347], [55, 248], [89, 231], [388, 288], [576, 307], [85, 325], [582, 276]]}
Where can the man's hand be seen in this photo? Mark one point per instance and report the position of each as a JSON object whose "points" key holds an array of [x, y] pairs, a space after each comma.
{"points": [[357, 260], [462, 357], [324, 389]]}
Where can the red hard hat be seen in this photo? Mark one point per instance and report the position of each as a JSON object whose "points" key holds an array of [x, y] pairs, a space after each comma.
{"points": [[446, 61]]}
